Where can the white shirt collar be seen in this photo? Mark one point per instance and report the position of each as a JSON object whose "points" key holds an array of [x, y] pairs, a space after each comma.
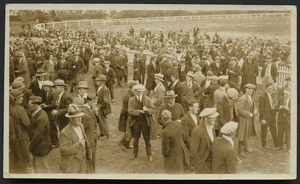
{"points": [[100, 88], [228, 139]]}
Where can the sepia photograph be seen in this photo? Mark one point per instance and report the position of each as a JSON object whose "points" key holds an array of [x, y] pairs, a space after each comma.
{"points": [[150, 91]]}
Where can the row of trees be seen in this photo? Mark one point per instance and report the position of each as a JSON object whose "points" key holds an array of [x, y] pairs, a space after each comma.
{"points": [[42, 16]]}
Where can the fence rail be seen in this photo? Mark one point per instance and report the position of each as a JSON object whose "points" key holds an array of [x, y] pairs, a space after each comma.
{"points": [[66, 24]]}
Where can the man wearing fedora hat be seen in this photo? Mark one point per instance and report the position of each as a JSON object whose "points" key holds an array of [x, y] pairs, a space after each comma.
{"points": [[26, 92], [37, 86], [141, 110], [40, 141], [110, 76], [21, 68], [201, 141], [224, 156], [64, 99], [246, 111], [190, 90], [104, 107], [74, 145], [82, 90]]}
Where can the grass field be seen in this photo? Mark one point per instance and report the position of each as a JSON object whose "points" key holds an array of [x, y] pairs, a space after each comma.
{"points": [[112, 158]]}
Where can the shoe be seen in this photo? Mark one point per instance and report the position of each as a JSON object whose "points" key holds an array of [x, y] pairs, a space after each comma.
{"points": [[242, 154], [150, 158], [266, 147], [249, 150], [104, 137], [133, 157], [129, 147], [55, 146]]}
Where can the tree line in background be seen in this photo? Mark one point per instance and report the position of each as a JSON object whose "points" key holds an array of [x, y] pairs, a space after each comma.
{"points": [[61, 15]]}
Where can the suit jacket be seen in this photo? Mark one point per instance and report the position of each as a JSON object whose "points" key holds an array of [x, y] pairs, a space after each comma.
{"points": [[50, 101], [40, 141], [62, 108], [284, 116], [86, 54], [164, 67], [34, 87], [89, 122], [201, 147], [110, 76], [77, 67], [274, 71], [124, 112], [182, 74], [72, 153], [176, 111], [234, 77], [224, 157], [133, 112], [178, 91], [188, 126], [265, 110], [157, 97], [23, 71], [103, 101], [223, 108], [173, 149], [216, 70], [151, 70]]}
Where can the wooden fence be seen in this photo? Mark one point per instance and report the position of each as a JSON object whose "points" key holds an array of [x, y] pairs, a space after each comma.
{"points": [[91, 23]]}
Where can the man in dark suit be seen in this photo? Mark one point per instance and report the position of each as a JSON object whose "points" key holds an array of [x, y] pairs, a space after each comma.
{"points": [[40, 141], [202, 138], [176, 155], [226, 109], [224, 159], [284, 119], [86, 54], [36, 86], [189, 122], [190, 90], [103, 105], [74, 145], [176, 109], [141, 110], [142, 66], [234, 71], [269, 72], [165, 64], [175, 85], [183, 69], [267, 116], [64, 99], [77, 68], [152, 69], [110, 76]]}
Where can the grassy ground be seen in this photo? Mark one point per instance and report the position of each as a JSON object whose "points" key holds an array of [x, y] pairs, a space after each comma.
{"points": [[112, 158]]}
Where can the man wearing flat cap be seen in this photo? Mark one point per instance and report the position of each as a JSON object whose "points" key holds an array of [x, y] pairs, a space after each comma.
{"points": [[224, 156], [176, 155], [202, 138], [40, 141], [226, 109], [246, 111], [141, 110], [267, 116], [103, 104], [124, 113], [74, 145]]}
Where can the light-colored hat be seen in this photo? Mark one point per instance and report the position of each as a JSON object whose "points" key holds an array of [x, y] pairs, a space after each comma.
{"points": [[78, 101], [229, 128], [16, 85], [76, 53], [83, 84], [170, 94], [223, 77], [19, 54], [234, 58], [197, 68], [209, 112], [73, 111], [166, 114], [102, 51], [59, 82], [106, 62], [209, 73], [190, 73], [19, 79], [101, 77], [139, 87], [214, 78], [249, 85], [159, 76], [40, 72], [232, 93], [96, 60], [132, 83], [36, 100], [47, 83], [217, 58]]}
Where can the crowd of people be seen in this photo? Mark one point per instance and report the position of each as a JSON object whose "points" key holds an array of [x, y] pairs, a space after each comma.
{"points": [[194, 93]]}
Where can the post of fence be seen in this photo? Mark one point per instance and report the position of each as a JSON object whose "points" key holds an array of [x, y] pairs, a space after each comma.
{"points": [[126, 21], [53, 25], [78, 23], [92, 23], [66, 25]]}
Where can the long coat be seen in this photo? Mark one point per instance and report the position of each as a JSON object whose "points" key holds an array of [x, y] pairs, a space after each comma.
{"points": [[182, 74], [176, 87], [246, 123], [265, 110], [188, 126], [21, 70], [249, 73], [175, 153], [157, 97], [224, 157], [151, 70], [62, 109], [234, 77], [103, 102], [73, 155], [40, 141], [201, 149], [223, 108], [124, 112]]}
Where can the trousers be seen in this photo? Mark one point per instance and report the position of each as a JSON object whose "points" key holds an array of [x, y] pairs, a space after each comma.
{"points": [[139, 127]]}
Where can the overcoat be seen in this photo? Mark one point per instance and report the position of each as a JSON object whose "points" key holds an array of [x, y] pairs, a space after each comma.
{"points": [[188, 126], [124, 112]]}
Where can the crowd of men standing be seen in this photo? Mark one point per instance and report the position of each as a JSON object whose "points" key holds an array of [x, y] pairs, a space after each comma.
{"points": [[195, 93]]}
